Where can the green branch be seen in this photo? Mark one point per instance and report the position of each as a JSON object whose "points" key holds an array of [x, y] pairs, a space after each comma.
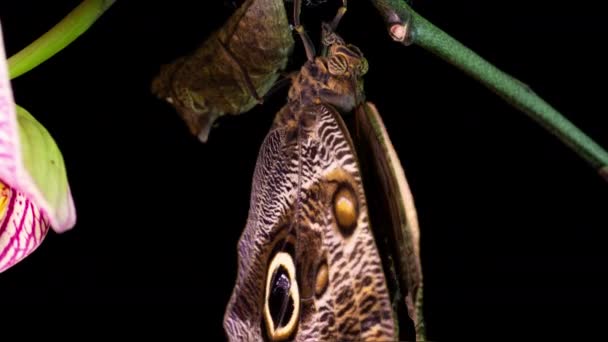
{"points": [[58, 37], [407, 26]]}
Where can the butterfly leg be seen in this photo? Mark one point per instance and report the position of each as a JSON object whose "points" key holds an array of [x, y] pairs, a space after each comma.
{"points": [[339, 15], [308, 45]]}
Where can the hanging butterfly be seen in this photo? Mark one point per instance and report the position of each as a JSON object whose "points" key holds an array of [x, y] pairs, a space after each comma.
{"points": [[322, 208], [232, 70]]}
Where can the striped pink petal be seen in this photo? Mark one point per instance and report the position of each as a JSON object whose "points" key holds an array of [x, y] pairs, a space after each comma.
{"points": [[22, 227]]}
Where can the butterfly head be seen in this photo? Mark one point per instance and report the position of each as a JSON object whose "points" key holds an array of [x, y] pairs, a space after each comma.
{"points": [[335, 78]]}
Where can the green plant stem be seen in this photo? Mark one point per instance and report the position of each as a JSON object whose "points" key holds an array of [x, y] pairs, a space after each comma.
{"points": [[58, 37], [433, 39]]}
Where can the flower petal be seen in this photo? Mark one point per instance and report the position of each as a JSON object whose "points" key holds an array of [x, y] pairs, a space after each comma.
{"points": [[30, 161], [45, 178], [22, 227]]}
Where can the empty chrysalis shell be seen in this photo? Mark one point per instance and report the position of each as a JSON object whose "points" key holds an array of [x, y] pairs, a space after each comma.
{"points": [[232, 70]]}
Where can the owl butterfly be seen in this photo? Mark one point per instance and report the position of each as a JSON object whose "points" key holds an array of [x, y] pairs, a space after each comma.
{"points": [[232, 70], [309, 264]]}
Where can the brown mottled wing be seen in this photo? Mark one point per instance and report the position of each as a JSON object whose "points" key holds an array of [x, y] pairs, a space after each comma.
{"points": [[388, 189], [306, 166], [232, 69]]}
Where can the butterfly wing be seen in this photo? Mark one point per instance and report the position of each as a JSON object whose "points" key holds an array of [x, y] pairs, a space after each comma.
{"points": [[391, 206], [309, 269]]}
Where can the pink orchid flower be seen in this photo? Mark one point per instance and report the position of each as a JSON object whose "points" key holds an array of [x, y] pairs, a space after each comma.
{"points": [[34, 191]]}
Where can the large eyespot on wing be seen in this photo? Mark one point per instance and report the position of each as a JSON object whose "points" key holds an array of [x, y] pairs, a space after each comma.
{"points": [[282, 298]]}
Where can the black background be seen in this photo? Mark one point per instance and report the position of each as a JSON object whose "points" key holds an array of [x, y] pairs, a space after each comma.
{"points": [[513, 223]]}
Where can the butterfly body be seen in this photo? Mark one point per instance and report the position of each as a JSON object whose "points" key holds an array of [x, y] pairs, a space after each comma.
{"points": [[309, 268]]}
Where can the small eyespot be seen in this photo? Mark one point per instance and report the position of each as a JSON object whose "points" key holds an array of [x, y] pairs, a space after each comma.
{"points": [[282, 299], [322, 279], [345, 210]]}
